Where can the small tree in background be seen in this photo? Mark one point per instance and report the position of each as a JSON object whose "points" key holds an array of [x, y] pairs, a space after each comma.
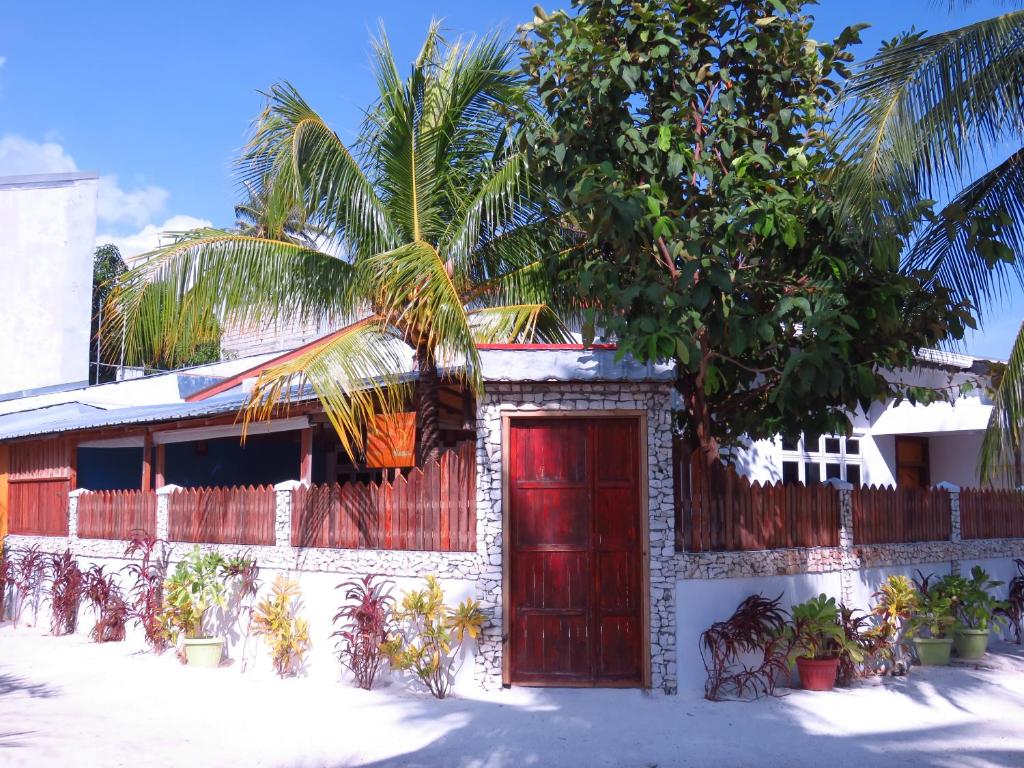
{"points": [[690, 142], [107, 266]]}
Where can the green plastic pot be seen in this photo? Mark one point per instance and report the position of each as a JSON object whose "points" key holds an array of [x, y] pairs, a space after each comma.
{"points": [[204, 651], [970, 644], [933, 651]]}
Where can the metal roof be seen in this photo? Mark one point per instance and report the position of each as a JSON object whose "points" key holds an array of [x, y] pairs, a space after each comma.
{"points": [[60, 418]]}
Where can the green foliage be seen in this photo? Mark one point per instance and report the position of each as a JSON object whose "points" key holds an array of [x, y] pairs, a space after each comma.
{"points": [[816, 631], [429, 635], [690, 144], [972, 601], [935, 616], [197, 584], [275, 619], [437, 217]]}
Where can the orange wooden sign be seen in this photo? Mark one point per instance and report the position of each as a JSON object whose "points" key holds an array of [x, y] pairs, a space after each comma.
{"points": [[391, 441]]}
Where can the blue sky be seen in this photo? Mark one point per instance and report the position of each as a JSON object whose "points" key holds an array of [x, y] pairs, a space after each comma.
{"points": [[157, 97]]}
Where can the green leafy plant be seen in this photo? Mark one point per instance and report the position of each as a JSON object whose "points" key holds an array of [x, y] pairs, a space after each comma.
{"points": [[872, 641], [973, 603], [274, 618], [428, 635], [196, 585], [935, 616], [815, 631]]}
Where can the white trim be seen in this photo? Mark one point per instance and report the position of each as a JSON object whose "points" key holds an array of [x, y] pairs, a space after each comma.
{"points": [[134, 441], [229, 430]]}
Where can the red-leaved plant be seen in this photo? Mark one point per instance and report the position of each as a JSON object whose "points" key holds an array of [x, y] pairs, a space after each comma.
{"points": [[103, 593], [28, 567], [5, 580], [66, 589], [146, 603], [365, 624]]}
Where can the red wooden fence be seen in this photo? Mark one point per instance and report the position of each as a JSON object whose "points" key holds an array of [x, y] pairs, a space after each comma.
{"points": [[723, 511], [238, 515], [897, 515], [430, 508], [116, 514], [987, 514]]}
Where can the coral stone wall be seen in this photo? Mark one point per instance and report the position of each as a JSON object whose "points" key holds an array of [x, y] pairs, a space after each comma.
{"points": [[540, 398]]}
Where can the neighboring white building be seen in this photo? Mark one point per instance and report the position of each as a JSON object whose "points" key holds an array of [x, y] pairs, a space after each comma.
{"points": [[47, 236], [893, 444]]}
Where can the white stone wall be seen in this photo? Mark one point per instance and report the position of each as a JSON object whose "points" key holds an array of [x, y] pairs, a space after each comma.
{"points": [[549, 397]]}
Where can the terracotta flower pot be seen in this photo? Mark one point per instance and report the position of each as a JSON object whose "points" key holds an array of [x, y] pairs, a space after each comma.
{"points": [[817, 674]]}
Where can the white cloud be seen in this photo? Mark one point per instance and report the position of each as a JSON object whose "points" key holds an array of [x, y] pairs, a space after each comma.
{"points": [[151, 236], [135, 207], [3, 60]]}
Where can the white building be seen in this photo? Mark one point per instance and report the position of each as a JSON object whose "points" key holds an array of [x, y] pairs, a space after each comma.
{"points": [[47, 236]]}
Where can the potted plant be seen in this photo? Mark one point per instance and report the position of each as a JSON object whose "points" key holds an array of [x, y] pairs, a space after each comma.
{"points": [[817, 641], [897, 602], [931, 627], [976, 609], [197, 584]]}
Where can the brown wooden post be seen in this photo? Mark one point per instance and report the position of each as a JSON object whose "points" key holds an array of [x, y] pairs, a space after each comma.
{"points": [[147, 461], [306, 456], [161, 465]]}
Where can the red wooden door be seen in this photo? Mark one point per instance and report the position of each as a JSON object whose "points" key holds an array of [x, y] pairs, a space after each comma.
{"points": [[576, 565]]}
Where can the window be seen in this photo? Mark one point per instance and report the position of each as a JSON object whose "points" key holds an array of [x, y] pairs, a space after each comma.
{"points": [[812, 460], [912, 464]]}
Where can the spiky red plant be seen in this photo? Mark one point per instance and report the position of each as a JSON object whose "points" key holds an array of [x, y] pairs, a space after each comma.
{"points": [[28, 567], [147, 592], [103, 593], [66, 588], [365, 626], [754, 629]]}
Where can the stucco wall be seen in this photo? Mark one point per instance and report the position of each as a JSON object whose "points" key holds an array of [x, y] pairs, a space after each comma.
{"points": [[47, 234]]}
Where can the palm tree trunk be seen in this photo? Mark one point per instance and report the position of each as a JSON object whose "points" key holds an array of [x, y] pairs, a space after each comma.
{"points": [[428, 431]]}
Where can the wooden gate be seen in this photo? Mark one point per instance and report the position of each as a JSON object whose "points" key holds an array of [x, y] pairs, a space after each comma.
{"points": [[576, 568]]}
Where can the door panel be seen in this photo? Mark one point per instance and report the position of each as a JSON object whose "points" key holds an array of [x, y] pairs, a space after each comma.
{"points": [[575, 552]]}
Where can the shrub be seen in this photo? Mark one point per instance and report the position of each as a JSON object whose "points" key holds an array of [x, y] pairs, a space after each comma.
{"points": [[27, 569], [815, 631], [196, 585], [872, 641], [897, 600], [66, 589], [755, 628], [972, 600], [428, 635], [934, 617], [1014, 607], [147, 593], [103, 593], [274, 618], [366, 623]]}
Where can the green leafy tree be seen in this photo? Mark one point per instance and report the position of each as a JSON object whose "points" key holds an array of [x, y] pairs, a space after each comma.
{"points": [[690, 143], [107, 266], [424, 234], [940, 116]]}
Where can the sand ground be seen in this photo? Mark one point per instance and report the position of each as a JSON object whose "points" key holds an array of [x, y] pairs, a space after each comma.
{"points": [[69, 702]]}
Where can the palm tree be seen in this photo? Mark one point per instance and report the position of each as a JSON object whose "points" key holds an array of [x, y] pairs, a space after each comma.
{"points": [[424, 237], [923, 118]]}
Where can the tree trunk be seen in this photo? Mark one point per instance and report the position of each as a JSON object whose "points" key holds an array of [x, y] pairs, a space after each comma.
{"points": [[428, 432], [698, 434]]}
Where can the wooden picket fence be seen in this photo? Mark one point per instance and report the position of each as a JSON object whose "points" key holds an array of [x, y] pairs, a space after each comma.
{"points": [[900, 515], [116, 514], [432, 508], [721, 510], [991, 514], [236, 515]]}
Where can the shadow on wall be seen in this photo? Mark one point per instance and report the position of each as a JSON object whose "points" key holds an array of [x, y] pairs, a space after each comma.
{"points": [[910, 721], [757, 461]]}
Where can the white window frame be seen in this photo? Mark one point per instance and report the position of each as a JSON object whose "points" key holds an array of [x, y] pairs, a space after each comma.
{"points": [[803, 455]]}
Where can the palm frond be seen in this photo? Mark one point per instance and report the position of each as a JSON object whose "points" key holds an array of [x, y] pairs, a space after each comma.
{"points": [[361, 371], [1004, 437], [519, 324], [973, 246], [921, 113], [227, 276]]}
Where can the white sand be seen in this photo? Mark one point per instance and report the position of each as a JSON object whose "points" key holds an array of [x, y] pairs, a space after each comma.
{"points": [[68, 702]]}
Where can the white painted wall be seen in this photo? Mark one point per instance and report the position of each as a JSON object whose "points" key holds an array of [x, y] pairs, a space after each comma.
{"points": [[47, 235]]}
